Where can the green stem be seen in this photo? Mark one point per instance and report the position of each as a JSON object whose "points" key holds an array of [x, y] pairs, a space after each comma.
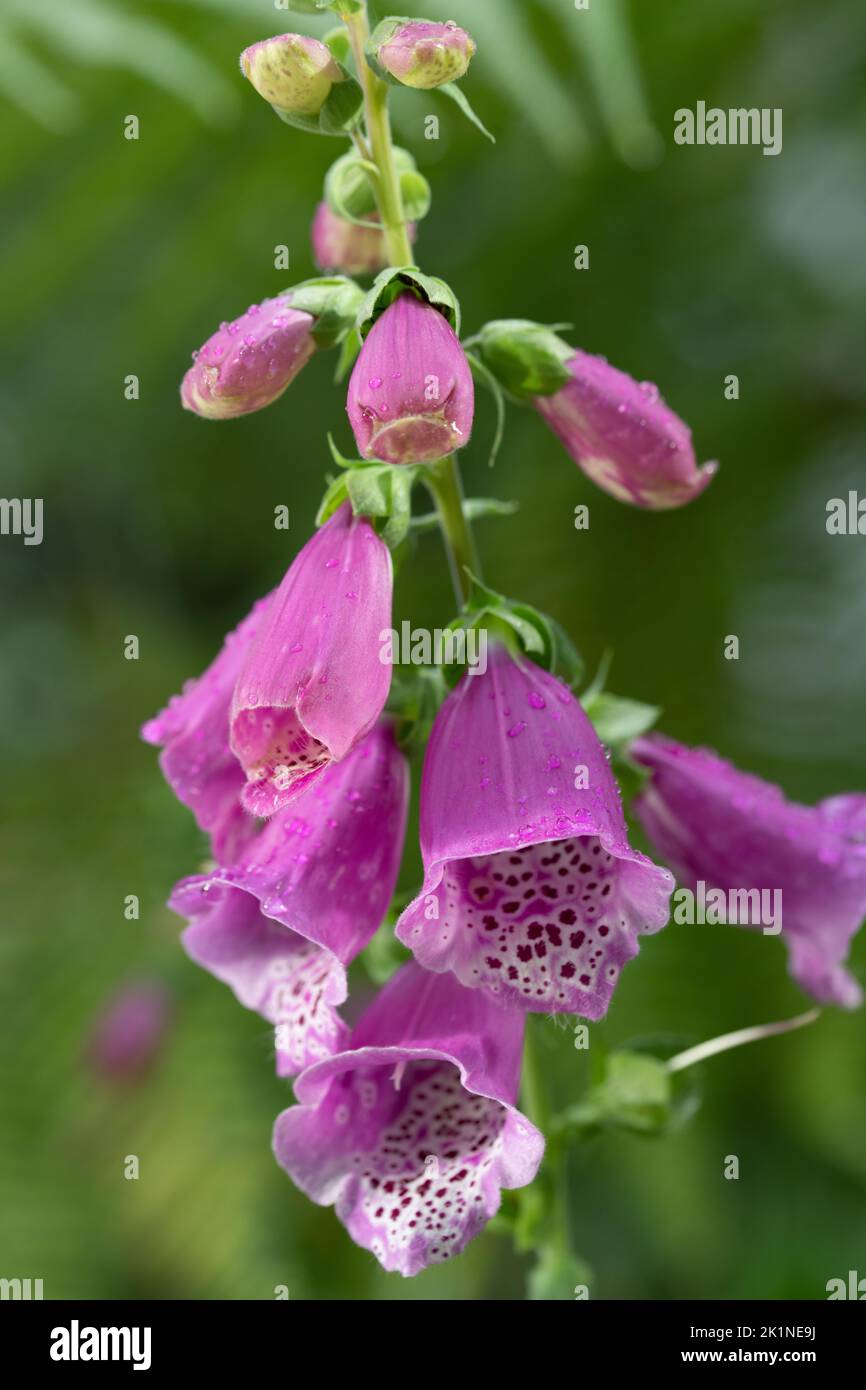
{"points": [[443, 480], [388, 194], [534, 1103]]}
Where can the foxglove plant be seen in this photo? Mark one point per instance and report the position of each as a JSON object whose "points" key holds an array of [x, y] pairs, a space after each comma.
{"points": [[291, 749]]}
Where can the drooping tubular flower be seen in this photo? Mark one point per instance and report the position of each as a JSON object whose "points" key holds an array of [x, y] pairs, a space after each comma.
{"points": [[531, 890], [280, 924], [312, 685], [731, 830], [624, 437], [193, 731], [345, 246], [411, 396], [412, 1132], [292, 72], [419, 53], [248, 363]]}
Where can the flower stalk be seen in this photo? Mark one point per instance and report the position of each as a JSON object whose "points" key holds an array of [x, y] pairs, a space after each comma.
{"points": [[444, 477]]}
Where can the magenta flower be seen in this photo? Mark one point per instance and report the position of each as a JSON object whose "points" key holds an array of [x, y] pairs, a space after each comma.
{"points": [[280, 925], [247, 364], [411, 397], [731, 830], [412, 1133], [193, 731], [340, 245], [312, 684], [424, 54], [624, 437], [293, 72], [130, 1031], [531, 889]]}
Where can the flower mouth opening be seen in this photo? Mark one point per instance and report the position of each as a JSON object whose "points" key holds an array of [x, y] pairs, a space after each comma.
{"points": [[421, 1181], [415, 439], [278, 755], [548, 927]]}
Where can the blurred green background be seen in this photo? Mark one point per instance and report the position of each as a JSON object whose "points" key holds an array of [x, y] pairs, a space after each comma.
{"points": [[121, 257]]}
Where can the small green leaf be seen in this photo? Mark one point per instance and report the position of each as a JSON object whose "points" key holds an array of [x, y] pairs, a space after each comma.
{"points": [[348, 352], [337, 40], [527, 359], [480, 373], [391, 283], [417, 195], [567, 662], [343, 108], [333, 301], [333, 499], [458, 96], [617, 720]]}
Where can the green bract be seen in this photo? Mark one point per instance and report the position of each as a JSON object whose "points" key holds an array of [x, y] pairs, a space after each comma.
{"points": [[333, 301], [349, 190], [393, 282], [340, 113], [527, 359], [523, 628]]}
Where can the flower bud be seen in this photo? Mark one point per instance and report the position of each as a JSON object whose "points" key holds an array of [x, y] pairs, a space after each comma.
{"points": [[247, 364], [344, 246], [624, 437], [293, 72], [422, 54], [411, 396]]}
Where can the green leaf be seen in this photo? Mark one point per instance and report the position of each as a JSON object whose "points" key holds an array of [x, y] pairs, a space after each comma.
{"points": [[416, 694], [333, 301], [567, 663], [558, 1276], [333, 499], [475, 509], [348, 352], [635, 1094], [458, 96], [343, 108], [417, 195], [391, 283], [527, 359], [340, 113], [617, 720], [481, 374], [337, 40]]}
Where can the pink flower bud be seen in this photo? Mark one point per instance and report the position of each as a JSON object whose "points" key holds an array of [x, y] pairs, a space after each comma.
{"points": [[339, 245], [421, 54], [624, 436], [293, 72], [411, 396], [247, 364]]}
